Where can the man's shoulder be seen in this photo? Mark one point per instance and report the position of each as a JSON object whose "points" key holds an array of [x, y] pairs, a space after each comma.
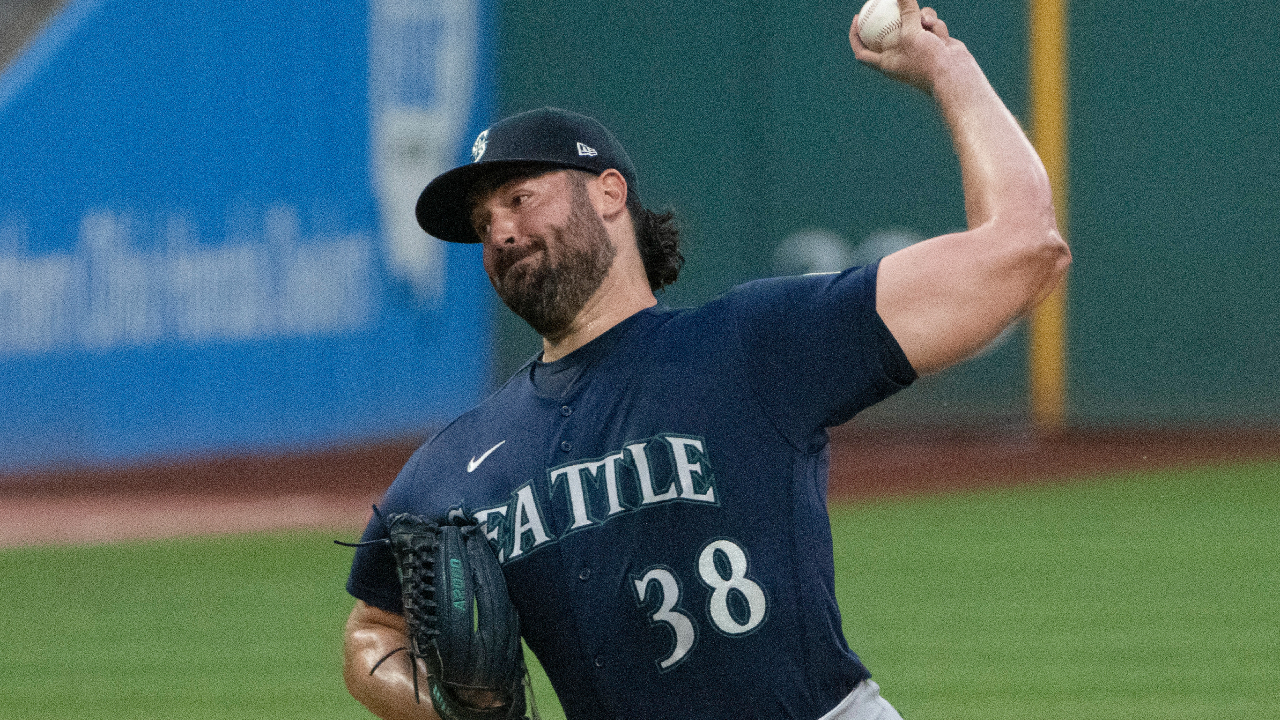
{"points": [[755, 302], [764, 298], [780, 288], [498, 406]]}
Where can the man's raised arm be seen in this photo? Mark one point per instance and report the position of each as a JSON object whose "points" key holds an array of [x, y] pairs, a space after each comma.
{"points": [[945, 298]]}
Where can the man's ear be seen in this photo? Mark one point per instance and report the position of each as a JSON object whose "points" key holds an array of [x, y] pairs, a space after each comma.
{"points": [[611, 195]]}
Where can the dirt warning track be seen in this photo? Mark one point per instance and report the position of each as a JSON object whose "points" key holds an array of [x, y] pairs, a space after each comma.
{"points": [[333, 489]]}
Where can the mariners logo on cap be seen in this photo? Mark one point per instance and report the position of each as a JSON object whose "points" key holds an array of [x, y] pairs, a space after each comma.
{"points": [[477, 150]]}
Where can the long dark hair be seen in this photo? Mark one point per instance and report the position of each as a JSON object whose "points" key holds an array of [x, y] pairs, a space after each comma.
{"points": [[658, 236]]}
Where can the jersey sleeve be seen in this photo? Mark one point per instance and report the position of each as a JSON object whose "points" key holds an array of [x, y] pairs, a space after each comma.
{"points": [[373, 570], [817, 351]]}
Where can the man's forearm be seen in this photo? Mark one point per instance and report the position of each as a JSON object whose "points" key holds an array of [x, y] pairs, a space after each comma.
{"points": [[1000, 170], [372, 634]]}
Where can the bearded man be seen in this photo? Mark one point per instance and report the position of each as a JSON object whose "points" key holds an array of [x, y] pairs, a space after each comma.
{"points": [[655, 480]]}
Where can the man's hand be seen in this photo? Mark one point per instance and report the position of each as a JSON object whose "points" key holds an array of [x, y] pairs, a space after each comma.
{"points": [[920, 52]]}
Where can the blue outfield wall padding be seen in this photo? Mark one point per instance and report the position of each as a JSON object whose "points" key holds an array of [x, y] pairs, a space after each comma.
{"points": [[207, 241]]}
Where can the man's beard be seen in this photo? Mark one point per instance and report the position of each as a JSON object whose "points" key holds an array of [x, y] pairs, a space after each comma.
{"points": [[550, 293]]}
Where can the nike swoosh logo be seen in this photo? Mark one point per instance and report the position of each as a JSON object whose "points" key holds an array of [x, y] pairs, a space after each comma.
{"points": [[475, 462]]}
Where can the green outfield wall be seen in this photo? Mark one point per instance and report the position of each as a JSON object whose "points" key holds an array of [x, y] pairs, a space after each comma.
{"points": [[754, 122]]}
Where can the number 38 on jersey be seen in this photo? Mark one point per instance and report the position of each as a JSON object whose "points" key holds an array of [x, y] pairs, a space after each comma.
{"points": [[736, 605]]}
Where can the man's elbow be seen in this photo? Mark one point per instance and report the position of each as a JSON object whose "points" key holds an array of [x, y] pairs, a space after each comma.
{"points": [[1046, 259], [1033, 257]]}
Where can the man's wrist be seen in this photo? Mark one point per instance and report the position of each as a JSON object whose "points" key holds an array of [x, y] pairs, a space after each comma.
{"points": [[957, 78]]}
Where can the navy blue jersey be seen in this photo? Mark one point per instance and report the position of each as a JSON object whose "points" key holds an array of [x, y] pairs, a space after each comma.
{"points": [[659, 501]]}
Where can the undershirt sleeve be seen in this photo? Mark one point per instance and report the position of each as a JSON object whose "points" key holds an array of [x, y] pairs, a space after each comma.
{"points": [[817, 351]]}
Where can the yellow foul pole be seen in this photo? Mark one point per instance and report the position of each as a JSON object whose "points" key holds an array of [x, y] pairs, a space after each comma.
{"points": [[1047, 356]]}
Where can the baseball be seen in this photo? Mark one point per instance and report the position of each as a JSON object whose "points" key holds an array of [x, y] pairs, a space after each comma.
{"points": [[878, 24]]}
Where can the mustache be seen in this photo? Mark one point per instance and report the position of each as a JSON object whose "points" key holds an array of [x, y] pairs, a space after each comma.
{"points": [[505, 259]]}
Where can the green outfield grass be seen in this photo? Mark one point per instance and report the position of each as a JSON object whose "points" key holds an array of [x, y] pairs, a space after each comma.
{"points": [[1146, 597], [1155, 597]]}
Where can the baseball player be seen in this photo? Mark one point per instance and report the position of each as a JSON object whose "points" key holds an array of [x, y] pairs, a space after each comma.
{"points": [[655, 480]]}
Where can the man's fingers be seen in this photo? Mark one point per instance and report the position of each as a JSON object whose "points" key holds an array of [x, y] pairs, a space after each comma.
{"points": [[930, 21], [860, 51], [907, 7]]}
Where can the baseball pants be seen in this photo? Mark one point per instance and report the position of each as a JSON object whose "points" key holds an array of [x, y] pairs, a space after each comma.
{"points": [[864, 703]]}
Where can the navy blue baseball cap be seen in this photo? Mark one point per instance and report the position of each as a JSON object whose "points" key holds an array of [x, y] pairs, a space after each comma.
{"points": [[557, 138]]}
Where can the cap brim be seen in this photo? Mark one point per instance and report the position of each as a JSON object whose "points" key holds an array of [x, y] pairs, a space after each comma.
{"points": [[443, 209]]}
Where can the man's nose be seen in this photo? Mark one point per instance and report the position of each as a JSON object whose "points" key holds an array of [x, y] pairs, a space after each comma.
{"points": [[503, 229]]}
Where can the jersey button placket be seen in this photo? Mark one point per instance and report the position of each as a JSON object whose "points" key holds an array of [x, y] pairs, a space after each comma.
{"points": [[565, 411]]}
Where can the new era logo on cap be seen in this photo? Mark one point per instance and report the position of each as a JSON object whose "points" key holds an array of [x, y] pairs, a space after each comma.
{"points": [[586, 151]]}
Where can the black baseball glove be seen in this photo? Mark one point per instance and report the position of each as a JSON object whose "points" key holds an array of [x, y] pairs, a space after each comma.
{"points": [[460, 618]]}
